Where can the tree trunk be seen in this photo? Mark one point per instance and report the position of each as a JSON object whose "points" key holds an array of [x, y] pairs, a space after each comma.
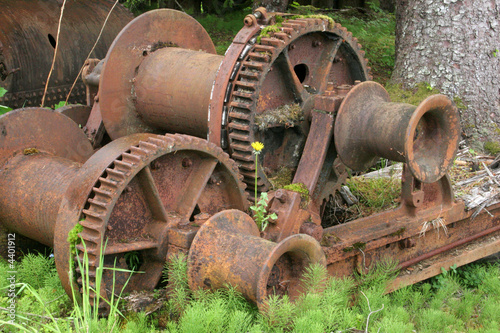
{"points": [[272, 5], [453, 45]]}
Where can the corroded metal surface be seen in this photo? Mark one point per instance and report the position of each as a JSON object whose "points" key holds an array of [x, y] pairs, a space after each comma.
{"points": [[29, 27], [141, 39], [369, 126], [155, 80], [139, 189], [128, 196], [228, 249]]}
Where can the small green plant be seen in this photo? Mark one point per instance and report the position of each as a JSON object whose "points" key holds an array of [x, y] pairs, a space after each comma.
{"points": [[375, 194], [260, 207], [133, 260], [175, 273], [3, 108], [260, 214], [495, 53], [60, 105]]}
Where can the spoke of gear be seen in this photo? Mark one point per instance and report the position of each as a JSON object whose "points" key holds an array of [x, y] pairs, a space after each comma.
{"points": [[275, 87], [155, 188]]}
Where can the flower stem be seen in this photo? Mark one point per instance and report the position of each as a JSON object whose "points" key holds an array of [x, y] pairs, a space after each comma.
{"points": [[256, 166]]}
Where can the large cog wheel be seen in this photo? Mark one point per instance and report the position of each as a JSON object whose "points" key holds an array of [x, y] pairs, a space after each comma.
{"points": [[158, 188], [278, 79]]}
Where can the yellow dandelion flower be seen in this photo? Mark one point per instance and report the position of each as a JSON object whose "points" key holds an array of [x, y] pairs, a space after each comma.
{"points": [[257, 146]]}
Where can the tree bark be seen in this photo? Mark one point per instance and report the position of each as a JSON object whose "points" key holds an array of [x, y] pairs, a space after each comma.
{"points": [[453, 45]]}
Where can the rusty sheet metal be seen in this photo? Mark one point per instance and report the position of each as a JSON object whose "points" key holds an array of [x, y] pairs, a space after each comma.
{"points": [[28, 31], [228, 249], [78, 113], [157, 30], [369, 126]]}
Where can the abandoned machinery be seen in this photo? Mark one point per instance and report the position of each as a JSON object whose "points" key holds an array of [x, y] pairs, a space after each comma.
{"points": [[294, 83]]}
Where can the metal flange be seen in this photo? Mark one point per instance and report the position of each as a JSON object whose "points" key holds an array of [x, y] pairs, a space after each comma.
{"points": [[146, 34]]}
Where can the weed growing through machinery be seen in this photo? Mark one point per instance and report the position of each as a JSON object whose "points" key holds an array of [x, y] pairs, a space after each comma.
{"points": [[375, 194], [259, 209], [260, 214]]}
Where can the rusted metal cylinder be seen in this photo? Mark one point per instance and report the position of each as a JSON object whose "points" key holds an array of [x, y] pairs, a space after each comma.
{"points": [[369, 126], [28, 32], [141, 46], [173, 87], [36, 184], [228, 249]]}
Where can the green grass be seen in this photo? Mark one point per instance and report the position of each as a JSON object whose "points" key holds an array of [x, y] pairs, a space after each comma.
{"points": [[375, 194], [376, 34], [464, 299], [222, 30]]}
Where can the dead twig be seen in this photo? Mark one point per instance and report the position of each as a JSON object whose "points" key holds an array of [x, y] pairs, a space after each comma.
{"points": [[92, 50], [492, 177], [178, 4], [371, 311], [55, 53]]}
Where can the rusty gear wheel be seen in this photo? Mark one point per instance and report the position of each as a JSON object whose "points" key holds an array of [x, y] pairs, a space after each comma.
{"points": [[148, 194], [281, 73]]}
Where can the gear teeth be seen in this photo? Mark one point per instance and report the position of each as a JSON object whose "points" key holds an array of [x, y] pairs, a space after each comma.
{"points": [[240, 116], [245, 85], [248, 82], [138, 151], [150, 147], [276, 42], [111, 183], [92, 214], [265, 48], [132, 159], [254, 65], [116, 174], [264, 57]]}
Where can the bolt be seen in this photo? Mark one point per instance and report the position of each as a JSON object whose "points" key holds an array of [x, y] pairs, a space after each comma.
{"points": [[127, 189], [186, 162], [257, 15], [291, 47], [281, 196], [316, 43]]}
